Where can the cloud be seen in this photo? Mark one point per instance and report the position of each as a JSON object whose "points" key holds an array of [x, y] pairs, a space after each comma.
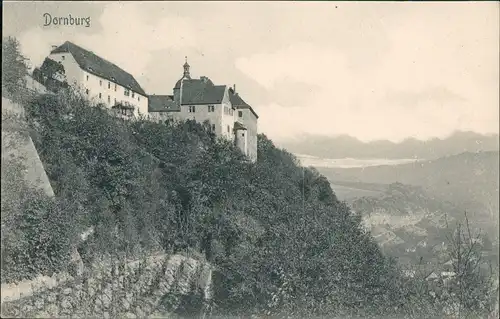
{"points": [[302, 62], [432, 79], [439, 94], [127, 37], [373, 71]]}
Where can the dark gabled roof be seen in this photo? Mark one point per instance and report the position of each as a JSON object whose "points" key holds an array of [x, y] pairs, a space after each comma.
{"points": [[239, 103], [239, 126], [177, 84], [202, 78], [96, 65], [162, 103], [199, 91]]}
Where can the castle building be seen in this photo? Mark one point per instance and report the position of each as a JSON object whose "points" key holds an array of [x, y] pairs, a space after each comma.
{"points": [[103, 81], [228, 115]]}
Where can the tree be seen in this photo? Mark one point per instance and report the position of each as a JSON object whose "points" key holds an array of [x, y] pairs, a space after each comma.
{"points": [[471, 289], [14, 68]]}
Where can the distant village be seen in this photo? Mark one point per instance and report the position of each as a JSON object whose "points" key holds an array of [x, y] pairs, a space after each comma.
{"points": [[105, 83]]}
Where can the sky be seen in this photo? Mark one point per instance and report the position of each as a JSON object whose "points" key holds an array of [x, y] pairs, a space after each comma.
{"points": [[387, 70]]}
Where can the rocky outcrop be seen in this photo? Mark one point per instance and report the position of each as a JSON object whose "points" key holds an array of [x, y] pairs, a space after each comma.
{"points": [[17, 146], [153, 287]]}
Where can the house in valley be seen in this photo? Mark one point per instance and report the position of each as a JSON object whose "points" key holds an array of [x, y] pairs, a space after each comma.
{"points": [[228, 115]]}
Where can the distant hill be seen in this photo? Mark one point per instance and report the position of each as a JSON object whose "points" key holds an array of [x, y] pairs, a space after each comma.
{"points": [[345, 146], [468, 180]]}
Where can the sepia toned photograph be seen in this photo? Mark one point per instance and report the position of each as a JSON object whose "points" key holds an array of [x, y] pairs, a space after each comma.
{"points": [[250, 159]]}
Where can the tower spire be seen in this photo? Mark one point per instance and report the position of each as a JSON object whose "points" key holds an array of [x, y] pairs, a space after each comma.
{"points": [[186, 69]]}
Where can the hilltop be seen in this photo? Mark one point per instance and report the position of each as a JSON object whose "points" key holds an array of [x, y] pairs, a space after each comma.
{"points": [[345, 146]]}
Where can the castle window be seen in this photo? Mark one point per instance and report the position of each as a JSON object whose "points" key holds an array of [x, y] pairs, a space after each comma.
{"points": [[87, 77], [213, 127], [133, 94], [62, 57], [115, 100], [109, 99], [192, 109], [228, 129], [109, 85], [240, 114], [211, 108], [116, 87], [87, 91], [100, 95], [138, 98], [126, 92], [100, 82], [243, 134]]}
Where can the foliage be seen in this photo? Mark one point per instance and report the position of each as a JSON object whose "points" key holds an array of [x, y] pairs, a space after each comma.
{"points": [[281, 242], [469, 290], [146, 185], [14, 68], [38, 240], [37, 231]]}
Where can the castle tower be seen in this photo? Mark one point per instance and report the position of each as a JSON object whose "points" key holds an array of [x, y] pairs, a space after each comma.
{"points": [[186, 70], [178, 85]]}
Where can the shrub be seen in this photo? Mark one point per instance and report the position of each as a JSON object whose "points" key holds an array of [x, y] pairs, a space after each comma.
{"points": [[14, 68]]}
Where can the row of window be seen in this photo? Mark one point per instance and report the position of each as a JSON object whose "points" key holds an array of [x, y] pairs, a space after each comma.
{"points": [[212, 128], [228, 110], [126, 92], [192, 109], [127, 112], [87, 91], [211, 108]]}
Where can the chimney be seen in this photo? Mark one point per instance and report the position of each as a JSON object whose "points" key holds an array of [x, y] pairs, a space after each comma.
{"points": [[54, 47], [234, 88]]}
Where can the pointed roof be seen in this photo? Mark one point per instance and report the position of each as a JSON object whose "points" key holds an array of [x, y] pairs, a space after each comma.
{"points": [[162, 103], [239, 126], [98, 66], [201, 91], [239, 103]]}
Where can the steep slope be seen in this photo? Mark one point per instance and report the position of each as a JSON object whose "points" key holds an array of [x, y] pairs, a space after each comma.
{"points": [[18, 148], [147, 186]]}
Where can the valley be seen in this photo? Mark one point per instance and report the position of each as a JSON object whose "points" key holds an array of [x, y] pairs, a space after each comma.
{"points": [[411, 208]]}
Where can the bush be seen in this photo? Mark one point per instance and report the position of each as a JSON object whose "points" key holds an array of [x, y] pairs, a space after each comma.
{"points": [[37, 230], [14, 68], [38, 241], [174, 185]]}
